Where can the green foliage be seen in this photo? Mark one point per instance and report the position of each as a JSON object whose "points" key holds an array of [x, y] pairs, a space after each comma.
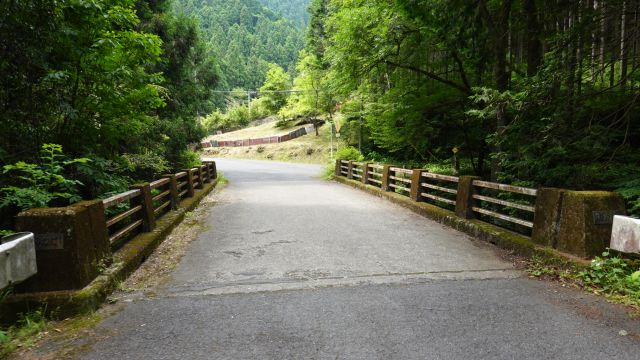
{"points": [[245, 37], [277, 80], [316, 97], [612, 275], [23, 333], [147, 165], [428, 76], [37, 185], [103, 176], [294, 10], [349, 153], [189, 159]]}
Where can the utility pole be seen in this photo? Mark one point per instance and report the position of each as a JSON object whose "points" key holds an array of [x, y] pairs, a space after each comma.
{"points": [[360, 132], [331, 141], [249, 101]]}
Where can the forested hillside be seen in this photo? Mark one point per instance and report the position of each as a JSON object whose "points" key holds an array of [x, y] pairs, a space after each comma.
{"points": [[245, 37], [294, 10], [115, 84], [529, 91]]}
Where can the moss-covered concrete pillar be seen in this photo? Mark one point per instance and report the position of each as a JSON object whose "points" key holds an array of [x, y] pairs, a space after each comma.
{"points": [[546, 221], [365, 173], [72, 245], [145, 200], [386, 178], [174, 194], [464, 199], [586, 220], [416, 181], [338, 169]]}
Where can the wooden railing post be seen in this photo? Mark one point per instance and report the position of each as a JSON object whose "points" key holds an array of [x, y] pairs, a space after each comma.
{"points": [[338, 169], [190, 189], [198, 171], [173, 188], [365, 173], [213, 170], [350, 171], [464, 199], [386, 178], [204, 172], [145, 200], [416, 184]]}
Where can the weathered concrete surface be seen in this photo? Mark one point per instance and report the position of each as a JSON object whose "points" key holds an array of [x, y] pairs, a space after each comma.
{"points": [[625, 235], [586, 221], [294, 267], [17, 258]]}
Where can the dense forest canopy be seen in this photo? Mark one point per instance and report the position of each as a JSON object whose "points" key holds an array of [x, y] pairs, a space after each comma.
{"points": [[529, 91], [539, 93], [116, 84], [294, 10], [245, 37]]}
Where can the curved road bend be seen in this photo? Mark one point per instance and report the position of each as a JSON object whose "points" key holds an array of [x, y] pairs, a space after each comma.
{"points": [[294, 267]]}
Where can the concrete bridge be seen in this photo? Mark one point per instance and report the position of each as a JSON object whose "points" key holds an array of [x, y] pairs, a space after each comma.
{"points": [[294, 267]]}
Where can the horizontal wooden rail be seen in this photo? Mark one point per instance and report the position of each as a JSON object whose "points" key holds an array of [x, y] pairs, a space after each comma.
{"points": [[400, 187], [376, 166], [441, 177], [503, 217], [438, 198], [180, 175], [379, 182], [504, 187], [161, 207], [505, 203], [439, 188], [116, 219], [120, 198], [408, 181], [158, 183], [126, 230], [401, 170]]}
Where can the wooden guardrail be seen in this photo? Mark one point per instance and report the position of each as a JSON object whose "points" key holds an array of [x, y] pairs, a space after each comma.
{"points": [[136, 210], [504, 205]]}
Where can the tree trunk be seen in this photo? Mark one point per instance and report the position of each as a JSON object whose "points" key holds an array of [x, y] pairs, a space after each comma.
{"points": [[534, 45]]}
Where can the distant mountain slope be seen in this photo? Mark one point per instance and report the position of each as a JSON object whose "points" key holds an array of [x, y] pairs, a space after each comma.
{"points": [[294, 10], [245, 37]]}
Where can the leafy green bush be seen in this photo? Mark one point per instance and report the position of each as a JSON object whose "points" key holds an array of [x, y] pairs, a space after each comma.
{"points": [[147, 165], [349, 153], [38, 185], [612, 275], [189, 159], [102, 177]]}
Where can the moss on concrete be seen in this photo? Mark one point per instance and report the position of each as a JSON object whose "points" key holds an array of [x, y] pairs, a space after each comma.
{"points": [[62, 304], [580, 233], [519, 244]]}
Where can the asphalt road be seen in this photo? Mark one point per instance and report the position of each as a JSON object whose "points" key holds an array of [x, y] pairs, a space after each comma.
{"points": [[294, 267]]}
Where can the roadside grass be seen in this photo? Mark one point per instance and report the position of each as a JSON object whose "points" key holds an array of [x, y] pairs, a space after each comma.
{"points": [[613, 277], [26, 332], [305, 149]]}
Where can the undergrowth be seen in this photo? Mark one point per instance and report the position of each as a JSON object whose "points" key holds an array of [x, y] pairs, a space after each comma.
{"points": [[24, 333], [616, 278]]}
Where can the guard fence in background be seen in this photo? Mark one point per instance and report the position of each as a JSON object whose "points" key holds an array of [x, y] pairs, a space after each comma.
{"points": [[260, 141]]}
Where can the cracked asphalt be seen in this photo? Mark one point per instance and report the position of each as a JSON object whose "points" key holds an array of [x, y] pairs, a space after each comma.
{"points": [[294, 267]]}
